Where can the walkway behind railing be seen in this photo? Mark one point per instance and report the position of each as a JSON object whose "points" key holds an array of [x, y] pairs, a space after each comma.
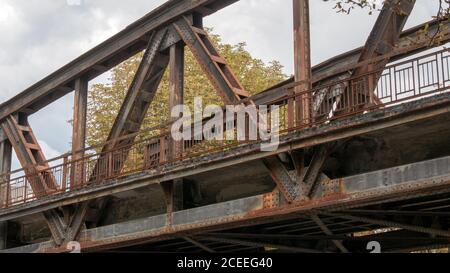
{"points": [[397, 83]]}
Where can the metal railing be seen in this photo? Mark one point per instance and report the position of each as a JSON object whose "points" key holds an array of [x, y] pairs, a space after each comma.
{"points": [[397, 83]]}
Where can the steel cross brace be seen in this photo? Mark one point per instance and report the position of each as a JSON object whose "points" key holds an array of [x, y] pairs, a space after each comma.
{"points": [[215, 67], [198, 244], [282, 178], [328, 232], [314, 170], [39, 177], [229, 88], [381, 41]]}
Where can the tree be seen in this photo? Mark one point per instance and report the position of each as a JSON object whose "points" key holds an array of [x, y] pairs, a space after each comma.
{"points": [[346, 6], [442, 13], [105, 99]]}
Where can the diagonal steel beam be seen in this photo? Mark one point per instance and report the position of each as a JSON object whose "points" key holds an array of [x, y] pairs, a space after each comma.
{"points": [[138, 99], [391, 224], [385, 34], [215, 67], [129, 119], [381, 41], [328, 232], [141, 92], [260, 244], [198, 244], [280, 175], [314, 170], [40, 178], [227, 86], [77, 220]]}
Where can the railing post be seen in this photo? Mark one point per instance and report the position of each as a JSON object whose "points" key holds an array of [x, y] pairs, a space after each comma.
{"points": [[64, 173], [162, 149], [110, 168], [79, 131], [25, 195], [302, 60], [371, 88], [290, 111], [8, 194]]}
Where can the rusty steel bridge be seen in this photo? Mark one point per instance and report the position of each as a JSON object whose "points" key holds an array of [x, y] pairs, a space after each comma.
{"points": [[364, 151]]}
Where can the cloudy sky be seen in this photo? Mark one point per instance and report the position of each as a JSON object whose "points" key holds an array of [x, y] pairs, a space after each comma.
{"points": [[40, 36]]}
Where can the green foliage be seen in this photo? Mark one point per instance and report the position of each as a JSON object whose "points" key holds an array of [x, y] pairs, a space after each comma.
{"points": [[105, 99]]}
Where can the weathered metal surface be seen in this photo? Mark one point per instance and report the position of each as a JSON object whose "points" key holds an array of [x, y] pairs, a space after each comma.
{"points": [[302, 60], [281, 176], [386, 33], [79, 130], [76, 222], [31, 157], [30, 154], [215, 67], [380, 43], [380, 180], [314, 170], [129, 120], [141, 92], [176, 91]]}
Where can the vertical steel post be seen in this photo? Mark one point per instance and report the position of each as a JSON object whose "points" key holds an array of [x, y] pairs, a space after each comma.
{"points": [[5, 167], [176, 91], [176, 97], [79, 131], [302, 61]]}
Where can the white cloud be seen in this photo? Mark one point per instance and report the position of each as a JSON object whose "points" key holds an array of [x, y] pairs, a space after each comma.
{"points": [[6, 13], [48, 150]]}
